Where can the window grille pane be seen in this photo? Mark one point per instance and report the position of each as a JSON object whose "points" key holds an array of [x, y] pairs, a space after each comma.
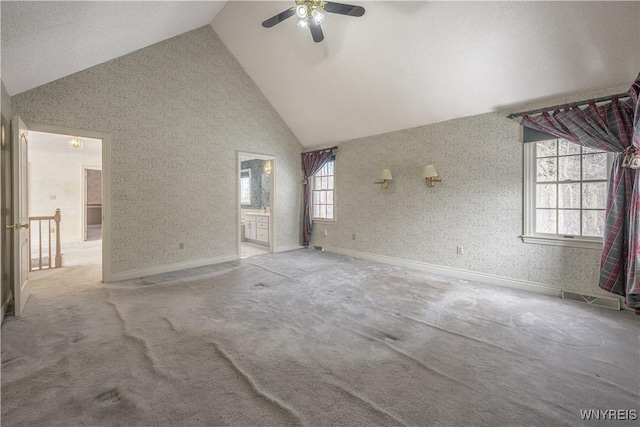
{"points": [[329, 212], [546, 195], [569, 196], [569, 222], [595, 195], [546, 148], [569, 168], [593, 223], [594, 166], [546, 221], [323, 198], [547, 169], [587, 150], [570, 185], [567, 148]]}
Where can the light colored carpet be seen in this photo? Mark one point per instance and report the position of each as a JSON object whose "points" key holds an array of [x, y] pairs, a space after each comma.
{"points": [[312, 338]]}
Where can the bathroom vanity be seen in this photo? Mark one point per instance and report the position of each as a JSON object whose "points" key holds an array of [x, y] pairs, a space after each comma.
{"points": [[256, 228]]}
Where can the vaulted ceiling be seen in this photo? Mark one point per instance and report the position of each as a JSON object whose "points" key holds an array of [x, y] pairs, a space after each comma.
{"points": [[401, 65]]}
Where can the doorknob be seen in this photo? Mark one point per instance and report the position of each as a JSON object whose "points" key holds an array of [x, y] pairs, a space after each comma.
{"points": [[22, 225]]}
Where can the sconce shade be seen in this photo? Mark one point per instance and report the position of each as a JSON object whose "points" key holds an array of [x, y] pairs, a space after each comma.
{"points": [[385, 175], [428, 171]]}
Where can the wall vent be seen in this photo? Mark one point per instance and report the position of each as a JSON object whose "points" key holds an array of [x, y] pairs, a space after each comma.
{"points": [[319, 248], [591, 299]]}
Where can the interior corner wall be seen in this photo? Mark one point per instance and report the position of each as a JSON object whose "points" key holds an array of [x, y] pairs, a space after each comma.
{"points": [[478, 204], [177, 112], [5, 190]]}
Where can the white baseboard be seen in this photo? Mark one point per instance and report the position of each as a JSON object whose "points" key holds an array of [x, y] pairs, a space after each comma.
{"points": [[457, 273], [5, 304], [288, 248], [127, 275]]}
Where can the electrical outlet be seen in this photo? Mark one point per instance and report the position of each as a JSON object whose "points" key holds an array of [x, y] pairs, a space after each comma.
{"points": [[52, 197], [460, 250], [180, 245], [325, 233]]}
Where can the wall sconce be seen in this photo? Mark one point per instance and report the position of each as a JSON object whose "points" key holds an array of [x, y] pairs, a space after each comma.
{"points": [[429, 173], [384, 178]]}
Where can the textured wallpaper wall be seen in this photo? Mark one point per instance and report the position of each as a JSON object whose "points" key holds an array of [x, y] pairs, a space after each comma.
{"points": [[478, 205], [177, 112]]}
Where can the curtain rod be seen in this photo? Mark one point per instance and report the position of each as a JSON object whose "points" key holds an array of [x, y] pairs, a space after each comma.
{"points": [[585, 102], [335, 147]]}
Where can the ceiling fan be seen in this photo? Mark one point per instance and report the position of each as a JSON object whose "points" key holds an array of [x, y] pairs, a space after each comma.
{"points": [[311, 14]]}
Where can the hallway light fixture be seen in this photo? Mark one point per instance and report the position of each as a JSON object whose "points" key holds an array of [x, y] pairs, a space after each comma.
{"points": [[75, 143], [430, 174], [384, 178]]}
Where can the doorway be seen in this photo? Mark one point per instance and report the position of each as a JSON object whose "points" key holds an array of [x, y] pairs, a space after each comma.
{"points": [[25, 179], [65, 176], [256, 207], [92, 204]]}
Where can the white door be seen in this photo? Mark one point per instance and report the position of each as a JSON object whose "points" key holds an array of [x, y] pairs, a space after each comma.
{"points": [[20, 214]]}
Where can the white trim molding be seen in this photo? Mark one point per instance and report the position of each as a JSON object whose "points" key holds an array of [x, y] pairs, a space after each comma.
{"points": [[5, 304], [288, 248], [127, 275], [106, 185], [457, 273]]}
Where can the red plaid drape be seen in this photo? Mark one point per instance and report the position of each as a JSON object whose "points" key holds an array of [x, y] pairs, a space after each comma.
{"points": [[612, 127], [312, 162]]}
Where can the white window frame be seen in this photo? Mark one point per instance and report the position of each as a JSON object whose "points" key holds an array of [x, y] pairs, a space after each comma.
{"points": [[244, 202], [529, 205], [313, 186]]}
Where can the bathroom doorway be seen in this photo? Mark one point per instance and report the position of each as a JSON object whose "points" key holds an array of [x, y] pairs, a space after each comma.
{"points": [[256, 184]]}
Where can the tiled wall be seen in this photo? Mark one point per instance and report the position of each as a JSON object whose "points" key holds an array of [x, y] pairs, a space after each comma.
{"points": [[177, 112]]}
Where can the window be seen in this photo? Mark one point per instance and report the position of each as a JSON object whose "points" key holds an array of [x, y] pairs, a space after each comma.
{"points": [[565, 193], [245, 187], [323, 198]]}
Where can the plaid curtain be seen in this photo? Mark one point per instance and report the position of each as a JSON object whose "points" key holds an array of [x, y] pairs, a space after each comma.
{"points": [[610, 128], [312, 162]]}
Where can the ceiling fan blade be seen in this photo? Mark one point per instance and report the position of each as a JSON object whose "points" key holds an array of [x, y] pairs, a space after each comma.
{"points": [[344, 9], [316, 33], [279, 18]]}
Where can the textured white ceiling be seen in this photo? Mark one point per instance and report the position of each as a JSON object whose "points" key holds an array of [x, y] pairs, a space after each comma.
{"points": [[44, 41], [406, 64], [401, 65]]}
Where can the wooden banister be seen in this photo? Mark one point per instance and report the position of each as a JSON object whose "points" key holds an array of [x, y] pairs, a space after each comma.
{"points": [[58, 258]]}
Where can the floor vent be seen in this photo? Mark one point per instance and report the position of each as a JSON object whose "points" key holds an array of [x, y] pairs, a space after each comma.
{"points": [[319, 248], [590, 299]]}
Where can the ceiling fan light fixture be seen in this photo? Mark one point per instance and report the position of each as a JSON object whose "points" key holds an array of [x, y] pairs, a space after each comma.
{"points": [[317, 16], [303, 23], [302, 10]]}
